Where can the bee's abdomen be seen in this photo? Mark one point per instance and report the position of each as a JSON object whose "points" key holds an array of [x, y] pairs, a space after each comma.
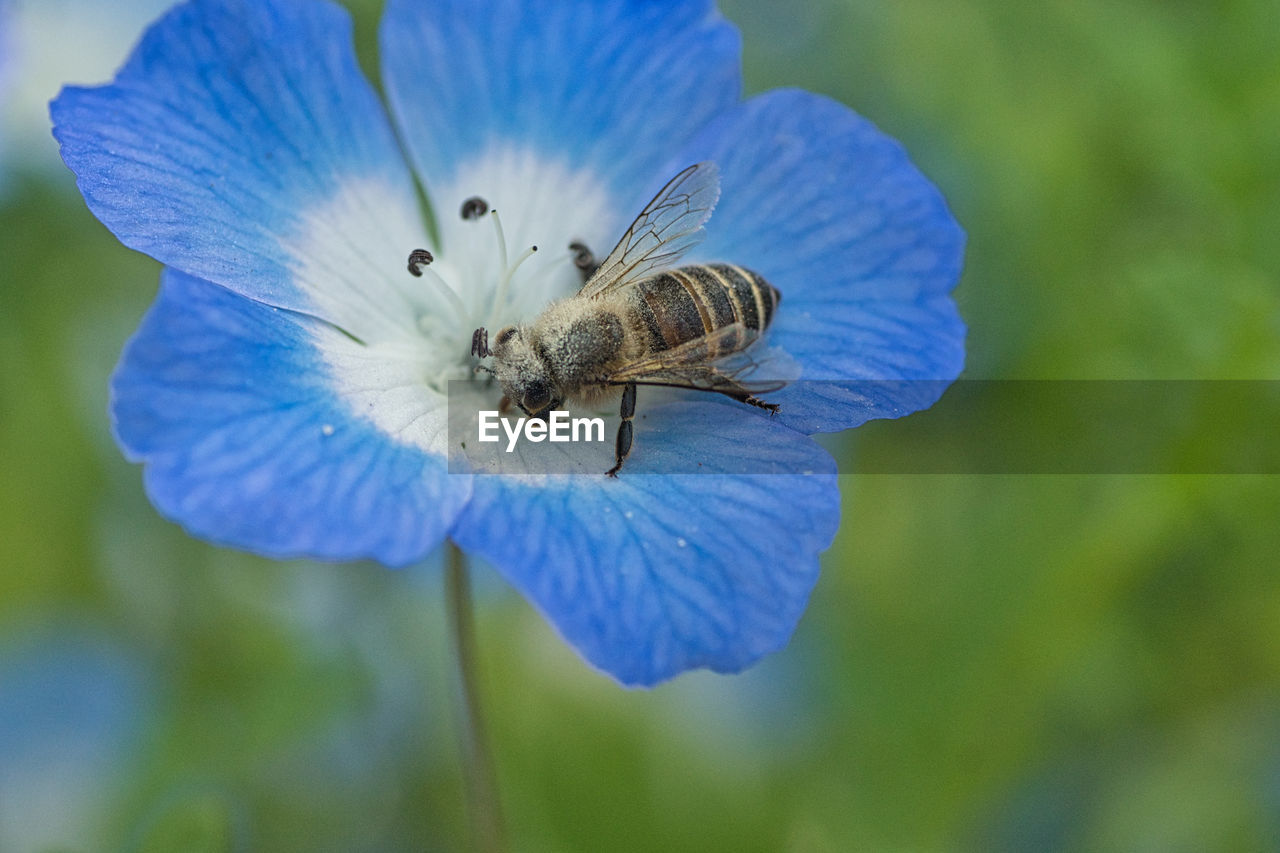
{"points": [[693, 301]]}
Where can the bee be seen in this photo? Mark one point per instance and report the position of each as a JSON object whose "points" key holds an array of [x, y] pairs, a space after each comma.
{"points": [[640, 320]]}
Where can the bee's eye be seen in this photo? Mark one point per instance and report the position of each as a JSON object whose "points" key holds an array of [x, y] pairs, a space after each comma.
{"points": [[505, 335], [537, 396]]}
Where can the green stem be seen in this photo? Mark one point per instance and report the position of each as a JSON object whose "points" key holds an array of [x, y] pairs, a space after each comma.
{"points": [[482, 785]]}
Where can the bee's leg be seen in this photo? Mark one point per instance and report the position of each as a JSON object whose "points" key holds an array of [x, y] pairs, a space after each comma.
{"points": [[584, 260], [771, 408], [505, 405], [624, 429], [742, 395]]}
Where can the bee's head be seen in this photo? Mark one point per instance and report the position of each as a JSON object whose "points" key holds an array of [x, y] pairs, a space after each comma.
{"points": [[523, 371]]}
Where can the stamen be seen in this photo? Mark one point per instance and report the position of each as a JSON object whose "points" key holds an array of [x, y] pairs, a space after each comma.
{"points": [[419, 258], [502, 238], [528, 253], [473, 208], [500, 297], [583, 258], [553, 265]]}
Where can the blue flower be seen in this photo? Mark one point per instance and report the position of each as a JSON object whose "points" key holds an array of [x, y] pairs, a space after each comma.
{"points": [[286, 391]]}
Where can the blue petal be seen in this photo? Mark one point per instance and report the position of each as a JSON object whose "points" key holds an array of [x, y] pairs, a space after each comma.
{"points": [[609, 86], [241, 144], [861, 245], [233, 406], [652, 574]]}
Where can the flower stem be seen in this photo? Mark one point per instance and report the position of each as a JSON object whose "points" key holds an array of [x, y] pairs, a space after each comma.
{"points": [[482, 786]]}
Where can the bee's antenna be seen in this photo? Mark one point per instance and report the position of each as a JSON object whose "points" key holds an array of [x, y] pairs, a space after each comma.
{"points": [[485, 368], [480, 344]]}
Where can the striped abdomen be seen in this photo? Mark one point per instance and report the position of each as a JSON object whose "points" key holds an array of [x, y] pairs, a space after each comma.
{"points": [[691, 302]]}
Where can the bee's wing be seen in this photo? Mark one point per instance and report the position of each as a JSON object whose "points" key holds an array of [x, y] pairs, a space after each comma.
{"points": [[668, 227], [724, 361]]}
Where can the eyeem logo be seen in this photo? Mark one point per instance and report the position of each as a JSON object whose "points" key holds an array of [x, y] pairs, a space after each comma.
{"points": [[557, 427]]}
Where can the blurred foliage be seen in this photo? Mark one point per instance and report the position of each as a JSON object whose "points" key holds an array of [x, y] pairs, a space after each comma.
{"points": [[988, 663]]}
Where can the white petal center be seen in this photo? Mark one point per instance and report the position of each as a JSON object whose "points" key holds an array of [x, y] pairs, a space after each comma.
{"points": [[544, 203], [351, 259]]}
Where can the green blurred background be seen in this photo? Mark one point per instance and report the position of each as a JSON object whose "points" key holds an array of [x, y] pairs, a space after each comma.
{"points": [[988, 662]]}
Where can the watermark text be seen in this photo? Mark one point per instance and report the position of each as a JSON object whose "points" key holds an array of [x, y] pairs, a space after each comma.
{"points": [[557, 426]]}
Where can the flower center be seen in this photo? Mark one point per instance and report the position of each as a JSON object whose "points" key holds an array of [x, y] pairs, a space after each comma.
{"points": [[470, 206], [459, 321]]}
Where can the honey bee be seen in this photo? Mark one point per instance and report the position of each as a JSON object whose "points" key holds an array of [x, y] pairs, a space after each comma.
{"points": [[639, 320]]}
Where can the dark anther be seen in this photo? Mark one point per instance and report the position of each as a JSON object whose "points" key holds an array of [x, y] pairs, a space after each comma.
{"points": [[480, 343], [474, 207], [583, 259], [419, 258]]}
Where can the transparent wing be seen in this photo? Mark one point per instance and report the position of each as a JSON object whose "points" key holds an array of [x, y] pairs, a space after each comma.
{"points": [[668, 227], [728, 361]]}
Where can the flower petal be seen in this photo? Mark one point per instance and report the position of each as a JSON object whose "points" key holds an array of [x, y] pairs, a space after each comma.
{"points": [[861, 245], [274, 432], [560, 114], [242, 144], [611, 86], [651, 574]]}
